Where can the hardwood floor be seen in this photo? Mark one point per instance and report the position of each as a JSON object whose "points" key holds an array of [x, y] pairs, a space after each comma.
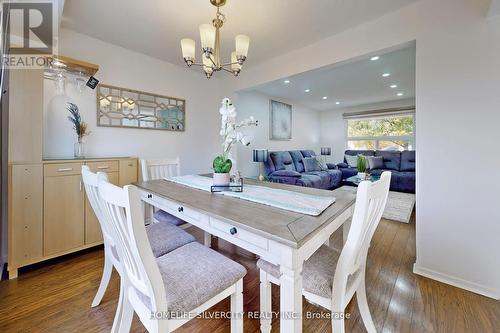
{"points": [[56, 296]]}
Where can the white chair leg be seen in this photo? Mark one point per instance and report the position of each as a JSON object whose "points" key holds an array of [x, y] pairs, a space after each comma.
{"points": [[151, 211], [127, 313], [106, 276], [265, 303], [237, 308], [363, 306], [119, 310], [338, 326], [207, 239]]}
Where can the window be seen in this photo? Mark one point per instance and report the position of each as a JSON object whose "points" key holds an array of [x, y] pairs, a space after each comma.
{"points": [[391, 131]]}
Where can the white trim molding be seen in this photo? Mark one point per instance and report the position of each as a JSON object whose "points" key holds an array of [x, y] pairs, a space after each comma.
{"points": [[456, 282]]}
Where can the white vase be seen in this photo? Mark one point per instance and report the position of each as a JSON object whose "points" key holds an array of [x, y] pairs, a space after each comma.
{"points": [[222, 179], [362, 175]]}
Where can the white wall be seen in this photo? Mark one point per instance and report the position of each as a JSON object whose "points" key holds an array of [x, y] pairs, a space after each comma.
{"points": [[458, 75], [124, 68], [305, 129], [333, 130]]}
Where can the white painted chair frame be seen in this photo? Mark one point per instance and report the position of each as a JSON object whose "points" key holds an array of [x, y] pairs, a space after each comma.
{"points": [[371, 199], [141, 272], [110, 259], [154, 169]]}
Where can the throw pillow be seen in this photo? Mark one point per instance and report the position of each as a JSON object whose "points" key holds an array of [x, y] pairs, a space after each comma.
{"points": [[311, 164], [352, 161], [322, 164], [375, 162]]}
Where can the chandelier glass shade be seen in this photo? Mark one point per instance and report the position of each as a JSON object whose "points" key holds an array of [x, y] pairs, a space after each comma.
{"points": [[210, 46]]}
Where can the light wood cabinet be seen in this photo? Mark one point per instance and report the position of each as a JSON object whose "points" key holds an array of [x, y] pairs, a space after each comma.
{"points": [[128, 171], [49, 214], [93, 234], [64, 226], [26, 220]]}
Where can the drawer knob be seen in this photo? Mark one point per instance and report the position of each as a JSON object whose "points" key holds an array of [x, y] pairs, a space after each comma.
{"points": [[233, 231], [180, 209], [150, 196]]}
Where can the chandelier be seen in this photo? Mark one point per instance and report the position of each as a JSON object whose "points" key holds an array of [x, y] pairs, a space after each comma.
{"points": [[210, 45]]}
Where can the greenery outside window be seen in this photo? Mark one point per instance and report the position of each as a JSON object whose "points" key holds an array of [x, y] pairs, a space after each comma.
{"points": [[392, 131]]}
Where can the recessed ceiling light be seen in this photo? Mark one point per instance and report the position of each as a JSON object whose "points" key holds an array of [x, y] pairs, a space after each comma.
{"points": [[386, 74], [337, 102], [394, 86], [286, 81], [307, 90], [375, 58], [324, 97], [400, 94]]}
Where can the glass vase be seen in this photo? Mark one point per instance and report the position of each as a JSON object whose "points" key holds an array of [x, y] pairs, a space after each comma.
{"points": [[80, 149]]}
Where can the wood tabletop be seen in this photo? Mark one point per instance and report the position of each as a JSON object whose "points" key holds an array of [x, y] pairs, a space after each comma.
{"points": [[290, 228]]}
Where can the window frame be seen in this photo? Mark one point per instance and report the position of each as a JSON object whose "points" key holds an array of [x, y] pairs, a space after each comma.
{"points": [[376, 139]]}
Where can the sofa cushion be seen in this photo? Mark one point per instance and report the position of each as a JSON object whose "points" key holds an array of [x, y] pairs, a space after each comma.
{"points": [[335, 177], [392, 159], [297, 160], [310, 180], [352, 161], [375, 162], [308, 153], [407, 161], [282, 160], [285, 173], [311, 164], [348, 172]]}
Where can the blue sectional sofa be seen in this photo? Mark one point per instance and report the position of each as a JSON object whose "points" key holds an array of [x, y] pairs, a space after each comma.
{"points": [[401, 164], [287, 167]]}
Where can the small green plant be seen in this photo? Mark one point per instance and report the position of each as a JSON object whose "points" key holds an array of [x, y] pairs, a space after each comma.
{"points": [[361, 163], [222, 164]]}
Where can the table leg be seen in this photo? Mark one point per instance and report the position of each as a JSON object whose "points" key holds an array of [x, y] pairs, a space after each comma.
{"points": [[291, 299]]}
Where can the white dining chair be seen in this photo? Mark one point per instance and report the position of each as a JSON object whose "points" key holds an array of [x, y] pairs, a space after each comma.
{"points": [[168, 291], [155, 169], [163, 237], [331, 279]]}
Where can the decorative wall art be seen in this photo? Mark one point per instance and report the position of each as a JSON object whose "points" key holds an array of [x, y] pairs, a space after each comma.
{"points": [[280, 121], [121, 107]]}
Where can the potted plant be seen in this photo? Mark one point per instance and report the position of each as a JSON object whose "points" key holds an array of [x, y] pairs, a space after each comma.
{"points": [[361, 166], [80, 128], [222, 164]]}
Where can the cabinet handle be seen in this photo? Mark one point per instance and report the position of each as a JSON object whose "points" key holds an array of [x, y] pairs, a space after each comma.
{"points": [[130, 165], [103, 167], [150, 196], [233, 231], [80, 185], [180, 209], [65, 169]]}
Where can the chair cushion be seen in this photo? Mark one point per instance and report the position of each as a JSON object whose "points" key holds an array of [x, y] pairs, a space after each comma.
{"points": [[164, 217], [193, 274], [317, 274], [166, 237]]}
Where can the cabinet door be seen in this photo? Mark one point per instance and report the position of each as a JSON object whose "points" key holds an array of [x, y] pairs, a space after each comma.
{"points": [[26, 196], [93, 233], [128, 171], [63, 214]]}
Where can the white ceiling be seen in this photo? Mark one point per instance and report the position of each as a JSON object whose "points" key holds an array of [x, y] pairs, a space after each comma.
{"points": [[155, 27], [356, 83]]}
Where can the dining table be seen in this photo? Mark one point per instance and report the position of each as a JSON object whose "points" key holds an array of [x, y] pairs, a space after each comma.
{"points": [[279, 236]]}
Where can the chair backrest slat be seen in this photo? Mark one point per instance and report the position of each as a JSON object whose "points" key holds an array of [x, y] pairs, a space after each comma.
{"points": [[153, 169]]}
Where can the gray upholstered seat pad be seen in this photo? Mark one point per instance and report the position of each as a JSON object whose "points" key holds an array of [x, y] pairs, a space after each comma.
{"points": [[317, 274], [163, 216], [193, 274], [165, 237]]}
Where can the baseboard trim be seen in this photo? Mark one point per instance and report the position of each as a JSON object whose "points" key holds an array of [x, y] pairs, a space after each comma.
{"points": [[456, 282]]}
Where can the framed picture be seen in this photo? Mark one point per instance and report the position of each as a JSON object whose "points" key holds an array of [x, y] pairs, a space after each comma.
{"points": [[280, 127]]}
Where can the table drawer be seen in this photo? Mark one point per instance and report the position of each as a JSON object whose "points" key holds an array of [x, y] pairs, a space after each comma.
{"points": [[240, 234], [173, 208], [103, 166], [62, 169]]}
